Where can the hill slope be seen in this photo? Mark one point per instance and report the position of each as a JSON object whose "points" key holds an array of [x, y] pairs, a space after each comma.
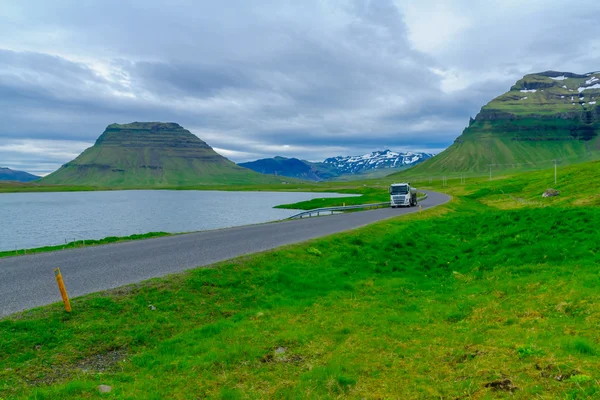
{"points": [[7, 174], [544, 116], [150, 154], [373, 164]]}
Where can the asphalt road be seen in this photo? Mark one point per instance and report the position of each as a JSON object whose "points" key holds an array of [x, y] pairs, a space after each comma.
{"points": [[28, 281]]}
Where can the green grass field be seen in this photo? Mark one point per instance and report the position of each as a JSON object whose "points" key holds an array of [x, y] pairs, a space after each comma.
{"points": [[486, 297]]}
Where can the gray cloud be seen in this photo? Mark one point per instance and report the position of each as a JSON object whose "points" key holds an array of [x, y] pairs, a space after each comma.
{"points": [[308, 79]]}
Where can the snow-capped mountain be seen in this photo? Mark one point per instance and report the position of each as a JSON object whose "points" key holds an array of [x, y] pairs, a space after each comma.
{"points": [[335, 167], [375, 160]]}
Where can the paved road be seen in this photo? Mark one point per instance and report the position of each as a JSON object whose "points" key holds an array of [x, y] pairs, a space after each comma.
{"points": [[28, 281]]}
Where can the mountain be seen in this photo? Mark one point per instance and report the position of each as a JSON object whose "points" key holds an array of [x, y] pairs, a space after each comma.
{"points": [[291, 167], [544, 116], [151, 154], [7, 174], [336, 167]]}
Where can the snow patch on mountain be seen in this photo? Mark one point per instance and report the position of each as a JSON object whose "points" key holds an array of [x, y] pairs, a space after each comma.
{"points": [[596, 86]]}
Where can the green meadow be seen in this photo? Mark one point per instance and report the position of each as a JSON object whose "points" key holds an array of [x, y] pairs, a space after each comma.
{"points": [[493, 295]]}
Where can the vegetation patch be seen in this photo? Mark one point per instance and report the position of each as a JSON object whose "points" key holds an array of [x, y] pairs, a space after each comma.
{"points": [[83, 243]]}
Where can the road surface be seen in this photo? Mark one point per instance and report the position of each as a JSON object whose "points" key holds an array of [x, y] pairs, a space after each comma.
{"points": [[28, 281]]}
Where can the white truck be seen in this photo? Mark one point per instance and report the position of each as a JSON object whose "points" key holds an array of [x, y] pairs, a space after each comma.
{"points": [[402, 194]]}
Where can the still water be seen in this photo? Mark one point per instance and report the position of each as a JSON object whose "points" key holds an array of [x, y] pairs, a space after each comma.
{"points": [[30, 220]]}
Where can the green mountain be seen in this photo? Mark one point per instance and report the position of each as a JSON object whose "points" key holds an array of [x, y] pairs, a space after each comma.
{"points": [[152, 154], [544, 116], [7, 174]]}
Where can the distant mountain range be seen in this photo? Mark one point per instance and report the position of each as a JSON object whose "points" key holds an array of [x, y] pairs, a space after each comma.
{"points": [[543, 117], [7, 174], [291, 167], [152, 154], [376, 160], [336, 167]]}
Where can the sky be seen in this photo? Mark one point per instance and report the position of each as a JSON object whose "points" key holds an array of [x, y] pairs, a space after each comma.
{"points": [[254, 79]]}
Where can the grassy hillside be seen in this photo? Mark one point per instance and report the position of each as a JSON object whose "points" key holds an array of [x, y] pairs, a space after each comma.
{"points": [[545, 116], [579, 185], [150, 154], [474, 152], [464, 301]]}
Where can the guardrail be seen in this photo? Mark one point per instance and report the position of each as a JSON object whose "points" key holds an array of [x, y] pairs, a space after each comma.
{"points": [[331, 210]]}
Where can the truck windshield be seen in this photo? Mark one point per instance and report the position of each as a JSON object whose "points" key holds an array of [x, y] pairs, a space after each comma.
{"points": [[399, 190]]}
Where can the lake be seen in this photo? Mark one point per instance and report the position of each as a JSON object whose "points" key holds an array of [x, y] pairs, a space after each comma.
{"points": [[29, 220]]}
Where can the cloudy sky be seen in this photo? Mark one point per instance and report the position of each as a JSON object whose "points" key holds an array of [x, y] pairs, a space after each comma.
{"points": [[259, 78]]}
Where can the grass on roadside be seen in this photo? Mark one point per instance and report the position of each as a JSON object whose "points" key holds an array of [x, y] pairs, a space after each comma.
{"points": [[83, 243], [368, 195]]}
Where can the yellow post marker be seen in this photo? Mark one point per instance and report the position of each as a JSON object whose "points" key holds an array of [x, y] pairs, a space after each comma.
{"points": [[63, 290]]}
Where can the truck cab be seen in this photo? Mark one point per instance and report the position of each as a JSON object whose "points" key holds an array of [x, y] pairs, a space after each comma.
{"points": [[402, 195]]}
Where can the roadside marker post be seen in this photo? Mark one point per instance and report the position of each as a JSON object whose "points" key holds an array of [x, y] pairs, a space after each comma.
{"points": [[420, 208], [555, 164], [63, 290]]}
